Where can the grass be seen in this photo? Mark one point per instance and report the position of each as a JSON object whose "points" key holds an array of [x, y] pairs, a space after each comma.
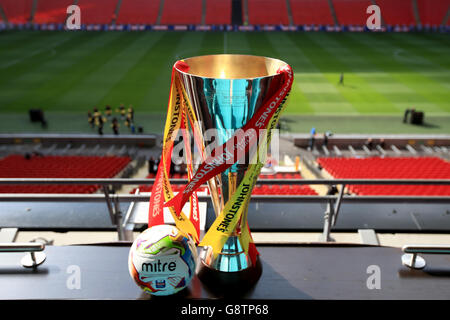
{"points": [[68, 73]]}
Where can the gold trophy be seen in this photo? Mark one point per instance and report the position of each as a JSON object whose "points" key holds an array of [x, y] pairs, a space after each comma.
{"points": [[224, 92]]}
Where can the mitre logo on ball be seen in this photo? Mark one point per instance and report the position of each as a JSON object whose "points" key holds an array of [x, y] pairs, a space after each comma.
{"points": [[162, 260]]}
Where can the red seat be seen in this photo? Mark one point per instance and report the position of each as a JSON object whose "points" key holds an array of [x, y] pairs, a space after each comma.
{"points": [[390, 168], [16, 166]]}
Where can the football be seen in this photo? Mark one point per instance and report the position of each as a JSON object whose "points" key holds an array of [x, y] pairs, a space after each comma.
{"points": [[162, 260]]}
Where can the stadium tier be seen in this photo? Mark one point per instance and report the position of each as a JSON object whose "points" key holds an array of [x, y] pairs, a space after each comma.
{"points": [[218, 12], [17, 11], [138, 12], [390, 168], [19, 166], [351, 12], [291, 189], [259, 189], [309, 12], [398, 12], [51, 11], [433, 12], [267, 12], [97, 11], [182, 12]]}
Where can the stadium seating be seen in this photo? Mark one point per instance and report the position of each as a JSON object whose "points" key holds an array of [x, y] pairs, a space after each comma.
{"points": [[51, 11], [97, 11], [267, 12], [310, 12], [260, 189], [390, 168], [284, 189], [260, 12], [218, 12], [17, 11], [182, 12], [17, 166], [398, 12], [433, 12], [138, 12], [351, 12]]}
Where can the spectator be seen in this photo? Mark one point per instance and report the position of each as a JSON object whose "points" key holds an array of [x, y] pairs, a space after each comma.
{"points": [[332, 190], [90, 119], [115, 126], [405, 115], [128, 122], [100, 123], [97, 116], [297, 163], [122, 111], [382, 144], [369, 143], [130, 112], [270, 162], [312, 140], [326, 135], [151, 165], [108, 111], [325, 140], [157, 161]]}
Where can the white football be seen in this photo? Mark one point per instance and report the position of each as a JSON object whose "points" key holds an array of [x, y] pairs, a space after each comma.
{"points": [[162, 260]]}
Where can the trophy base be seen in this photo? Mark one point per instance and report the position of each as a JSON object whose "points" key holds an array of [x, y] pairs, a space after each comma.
{"points": [[220, 282]]}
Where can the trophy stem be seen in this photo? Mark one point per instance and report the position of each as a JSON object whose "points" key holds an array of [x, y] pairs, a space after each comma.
{"points": [[231, 272]]}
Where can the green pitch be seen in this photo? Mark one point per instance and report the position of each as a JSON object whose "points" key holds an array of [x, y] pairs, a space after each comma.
{"points": [[68, 73]]}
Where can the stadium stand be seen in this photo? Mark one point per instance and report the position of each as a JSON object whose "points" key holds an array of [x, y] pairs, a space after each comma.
{"points": [[351, 12], [138, 12], [97, 11], [17, 11], [399, 12], [390, 168], [18, 166], [267, 12], [51, 11], [310, 12], [218, 12], [260, 189], [182, 12], [433, 12], [267, 189]]}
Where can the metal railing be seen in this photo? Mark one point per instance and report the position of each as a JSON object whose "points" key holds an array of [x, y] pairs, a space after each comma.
{"points": [[112, 200], [129, 181]]}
